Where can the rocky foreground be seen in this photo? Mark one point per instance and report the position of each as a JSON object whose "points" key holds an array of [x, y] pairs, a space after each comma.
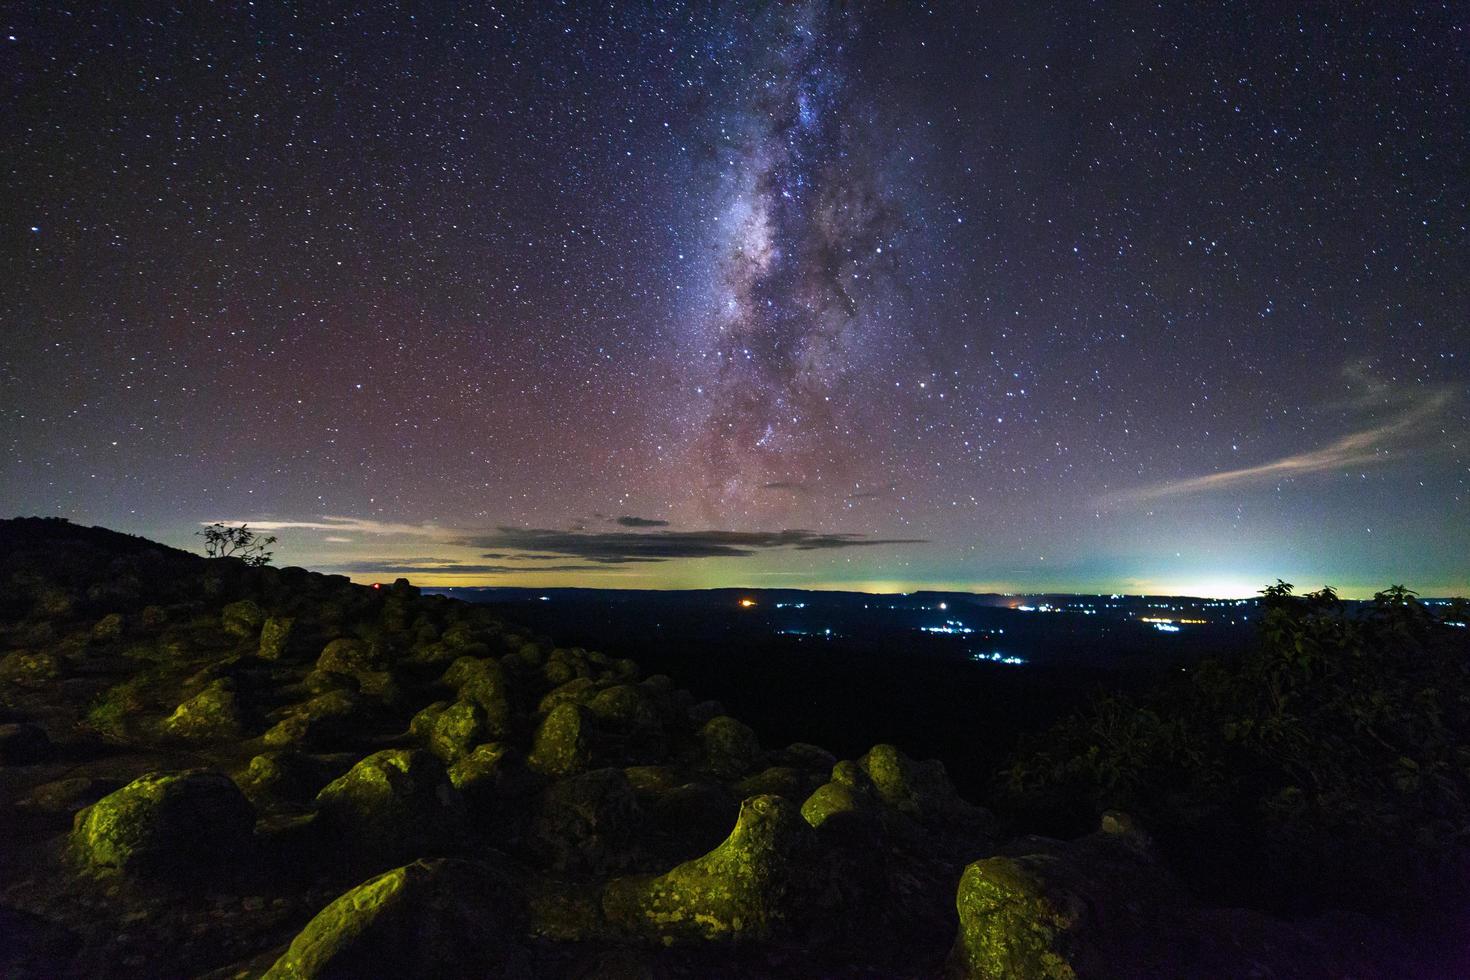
{"points": [[211, 769]]}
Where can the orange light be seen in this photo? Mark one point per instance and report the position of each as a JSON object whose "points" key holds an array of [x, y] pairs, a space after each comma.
{"points": [[747, 603]]}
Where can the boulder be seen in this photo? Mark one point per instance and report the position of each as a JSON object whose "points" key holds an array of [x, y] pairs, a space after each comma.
{"points": [[392, 803], [243, 618], [451, 730], [490, 774], [565, 742], [921, 790], [482, 681], [275, 637], [439, 918], [585, 823], [213, 713], [351, 656], [748, 887], [849, 791], [326, 717], [64, 797], [580, 690], [794, 784], [23, 744], [286, 775], [730, 748], [108, 628], [26, 669], [165, 824]]}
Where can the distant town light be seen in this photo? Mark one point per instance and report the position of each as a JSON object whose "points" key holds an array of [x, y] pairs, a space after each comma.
{"points": [[747, 603]]}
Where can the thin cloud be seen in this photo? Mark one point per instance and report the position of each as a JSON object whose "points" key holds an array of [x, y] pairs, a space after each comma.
{"points": [[343, 525], [640, 522], [1354, 449], [790, 486], [434, 567], [622, 547]]}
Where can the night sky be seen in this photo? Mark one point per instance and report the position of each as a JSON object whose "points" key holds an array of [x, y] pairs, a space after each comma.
{"points": [[1104, 297]]}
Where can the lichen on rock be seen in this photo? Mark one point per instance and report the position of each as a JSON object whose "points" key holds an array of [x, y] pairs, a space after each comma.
{"points": [[746, 888], [731, 748], [565, 742], [392, 803], [213, 713], [165, 823], [438, 918]]}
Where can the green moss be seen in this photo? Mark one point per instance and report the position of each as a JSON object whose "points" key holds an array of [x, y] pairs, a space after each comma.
{"points": [[454, 729], [322, 718], [213, 713], [730, 748], [394, 802], [786, 781], [243, 618], [439, 918], [482, 681], [351, 656], [26, 669], [275, 637], [585, 823], [1010, 927], [564, 742], [830, 799], [917, 789], [745, 888], [165, 822], [108, 628]]}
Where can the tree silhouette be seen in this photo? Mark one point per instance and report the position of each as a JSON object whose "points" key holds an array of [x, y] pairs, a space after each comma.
{"points": [[228, 541]]}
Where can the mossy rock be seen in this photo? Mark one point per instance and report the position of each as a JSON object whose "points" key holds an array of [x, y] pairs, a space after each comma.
{"points": [[327, 717], [286, 775], [585, 823], [451, 730], [794, 784], [579, 690], [1012, 925], [626, 708], [122, 708], [108, 629], [749, 887], [831, 799], [730, 748], [166, 824], [24, 668], [439, 918], [64, 797], [483, 682], [395, 802], [213, 713], [918, 789], [489, 775], [565, 742], [276, 635], [243, 619], [352, 656]]}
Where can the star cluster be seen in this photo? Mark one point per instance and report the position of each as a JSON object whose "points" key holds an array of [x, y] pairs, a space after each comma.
{"points": [[1036, 296]]}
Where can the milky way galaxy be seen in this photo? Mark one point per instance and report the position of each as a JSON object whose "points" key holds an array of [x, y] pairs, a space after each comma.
{"points": [[796, 265], [1111, 297]]}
